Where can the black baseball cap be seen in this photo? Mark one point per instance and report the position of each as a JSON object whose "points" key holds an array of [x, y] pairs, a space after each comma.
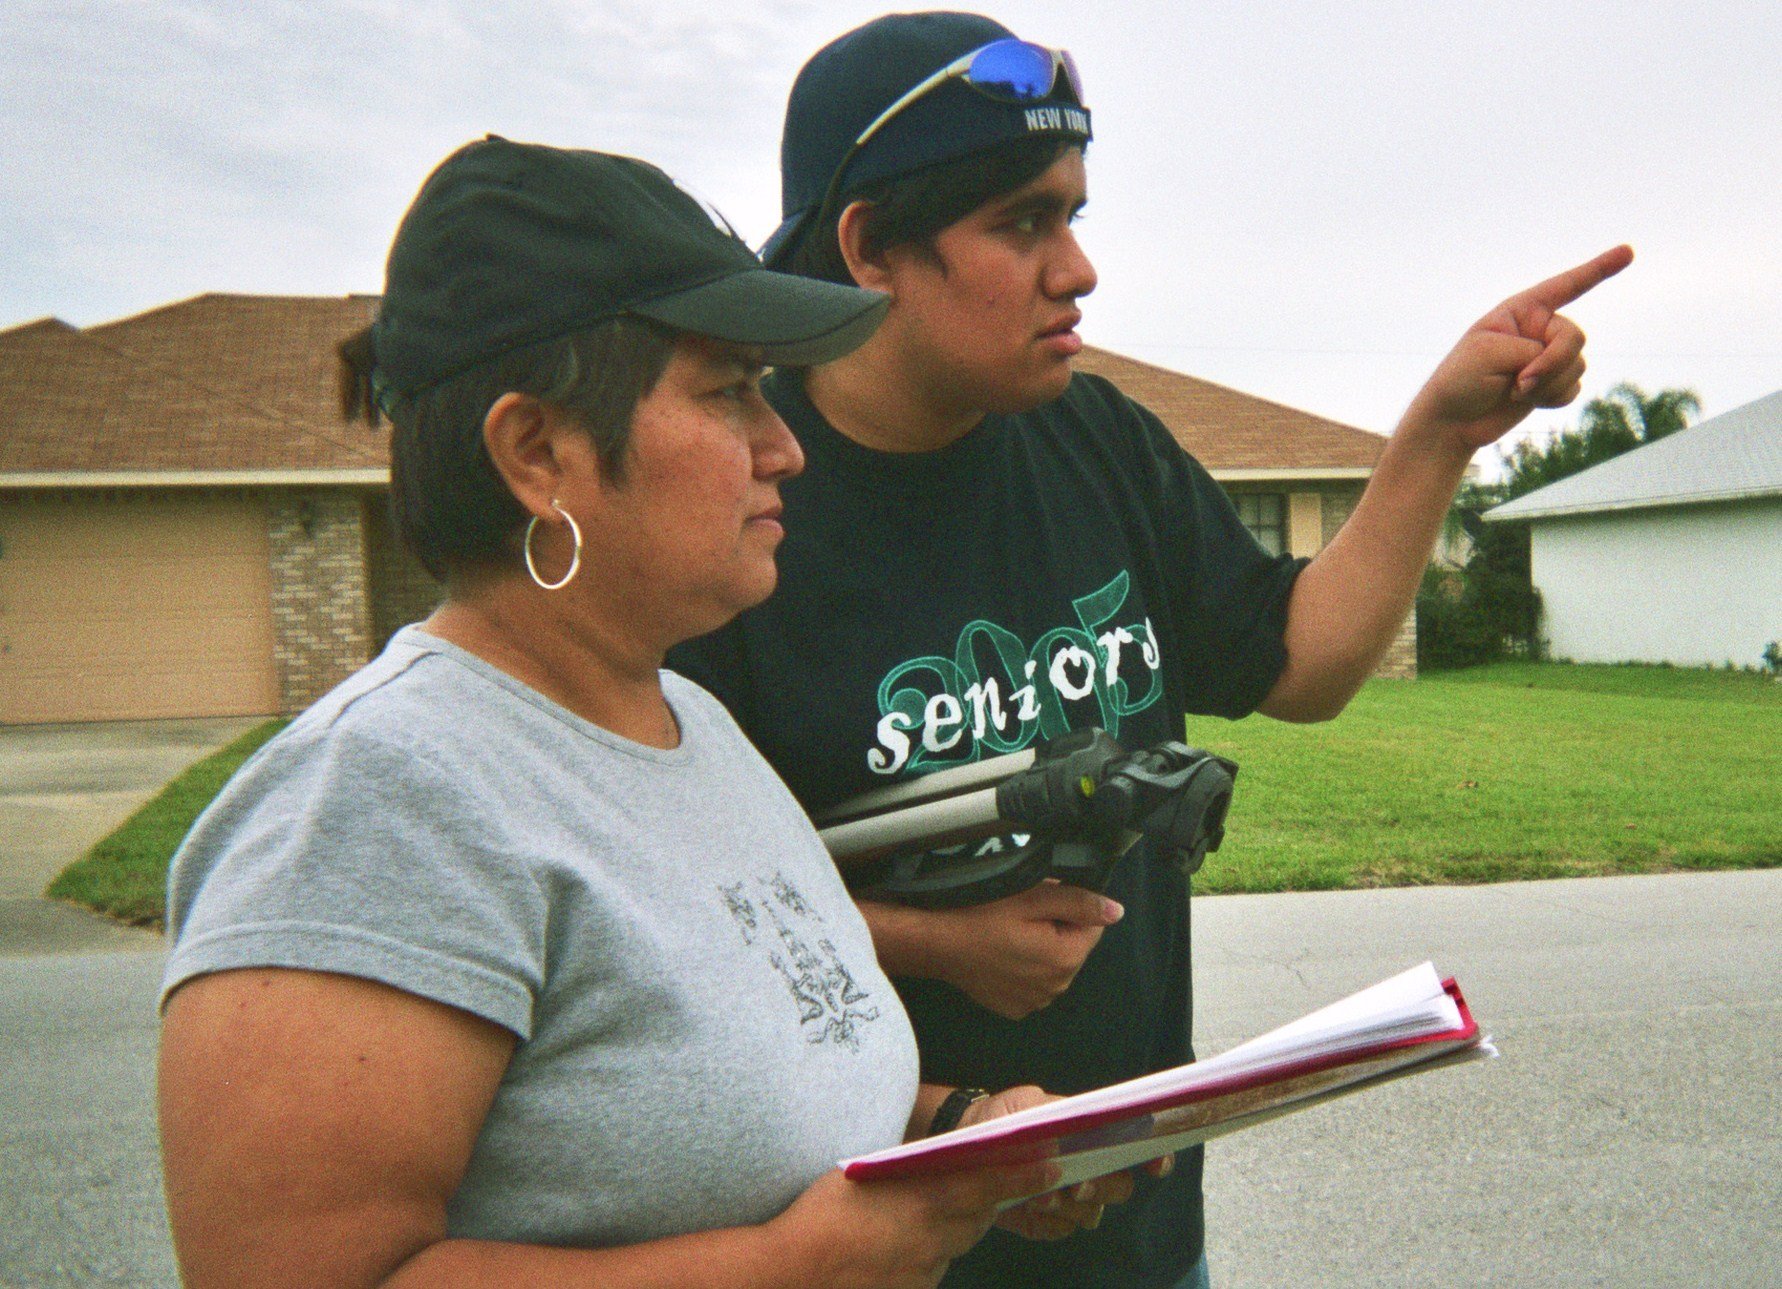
{"points": [[510, 244], [851, 80]]}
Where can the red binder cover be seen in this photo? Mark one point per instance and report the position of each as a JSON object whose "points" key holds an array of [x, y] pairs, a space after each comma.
{"points": [[1300, 1065]]}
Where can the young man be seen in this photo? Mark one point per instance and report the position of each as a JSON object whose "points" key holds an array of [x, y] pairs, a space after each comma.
{"points": [[986, 550]]}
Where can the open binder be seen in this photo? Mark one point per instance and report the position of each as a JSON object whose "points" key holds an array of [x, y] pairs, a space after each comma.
{"points": [[1412, 1022]]}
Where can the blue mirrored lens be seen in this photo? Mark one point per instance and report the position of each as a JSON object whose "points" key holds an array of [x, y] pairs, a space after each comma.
{"points": [[1013, 68]]}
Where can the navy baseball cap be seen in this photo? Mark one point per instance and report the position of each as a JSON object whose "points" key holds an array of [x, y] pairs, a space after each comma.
{"points": [[850, 81], [512, 244]]}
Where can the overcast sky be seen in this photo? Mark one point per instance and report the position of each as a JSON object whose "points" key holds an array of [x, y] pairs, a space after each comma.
{"points": [[1307, 201]]}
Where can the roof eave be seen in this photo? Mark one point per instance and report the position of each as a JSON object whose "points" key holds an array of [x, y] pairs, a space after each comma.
{"points": [[1288, 474], [1497, 515], [371, 476]]}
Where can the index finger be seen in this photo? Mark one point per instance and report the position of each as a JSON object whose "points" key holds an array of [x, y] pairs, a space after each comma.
{"points": [[1561, 289]]}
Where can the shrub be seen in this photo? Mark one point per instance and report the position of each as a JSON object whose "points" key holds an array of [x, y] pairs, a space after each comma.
{"points": [[1481, 616]]}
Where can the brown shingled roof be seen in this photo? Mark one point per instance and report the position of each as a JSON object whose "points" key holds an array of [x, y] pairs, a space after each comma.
{"points": [[33, 330], [73, 403], [273, 352], [247, 382], [1227, 430]]}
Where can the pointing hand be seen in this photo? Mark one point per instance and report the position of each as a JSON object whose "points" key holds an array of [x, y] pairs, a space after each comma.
{"points": [[1522, 355]]}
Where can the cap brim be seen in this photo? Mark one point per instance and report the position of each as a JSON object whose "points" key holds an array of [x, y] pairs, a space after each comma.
{"points": [[795, 321]]}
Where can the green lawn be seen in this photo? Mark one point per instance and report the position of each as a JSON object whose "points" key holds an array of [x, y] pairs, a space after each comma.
{"points": [[1522, 770], [125, 876], [1512, 771]]}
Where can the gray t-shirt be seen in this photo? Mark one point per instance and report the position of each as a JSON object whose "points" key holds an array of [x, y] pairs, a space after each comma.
{"points": [[704, 1027]]}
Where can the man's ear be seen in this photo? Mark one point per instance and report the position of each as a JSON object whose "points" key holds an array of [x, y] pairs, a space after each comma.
{"points": [[869, 267], [525, 440]]}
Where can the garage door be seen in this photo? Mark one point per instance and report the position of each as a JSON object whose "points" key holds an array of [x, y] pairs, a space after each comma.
{"points": [[123, 606]]}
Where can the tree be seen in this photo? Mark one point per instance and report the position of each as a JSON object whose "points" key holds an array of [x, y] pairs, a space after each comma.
{"points": [[1490, 609], [1619, 421]]}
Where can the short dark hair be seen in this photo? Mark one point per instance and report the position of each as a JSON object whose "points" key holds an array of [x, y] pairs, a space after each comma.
{"points": [[911, 209], [450, 505]]}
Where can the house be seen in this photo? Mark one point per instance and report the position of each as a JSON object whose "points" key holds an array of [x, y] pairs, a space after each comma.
{"points": [[189, 528], [1669, 553], [1294, 476]]}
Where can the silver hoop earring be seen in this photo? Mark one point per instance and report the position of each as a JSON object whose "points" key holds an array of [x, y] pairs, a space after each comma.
{"points": [[575, 558]]}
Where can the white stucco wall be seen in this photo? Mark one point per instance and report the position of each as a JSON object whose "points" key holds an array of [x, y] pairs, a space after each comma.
{"points": [[1692, 585]]}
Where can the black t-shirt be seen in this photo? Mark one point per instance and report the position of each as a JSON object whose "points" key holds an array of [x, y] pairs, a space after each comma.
{"points": [[1066, 567]]}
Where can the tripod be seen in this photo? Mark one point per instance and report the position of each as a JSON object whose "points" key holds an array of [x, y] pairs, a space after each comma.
{"points": [[1066, 809]]}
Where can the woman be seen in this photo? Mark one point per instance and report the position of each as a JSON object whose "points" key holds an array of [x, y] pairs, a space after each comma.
{"points": [[510, 961]]}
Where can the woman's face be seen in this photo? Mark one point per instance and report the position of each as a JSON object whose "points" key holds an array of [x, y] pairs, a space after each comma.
{"points": [[689, 529]]}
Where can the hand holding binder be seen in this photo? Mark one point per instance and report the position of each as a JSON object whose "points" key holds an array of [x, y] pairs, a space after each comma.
{"points": [[1412, 1022]]}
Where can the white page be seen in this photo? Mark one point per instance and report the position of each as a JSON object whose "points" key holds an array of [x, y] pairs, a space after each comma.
{"points": [[1412, 1004], [1084, 1165], [1403, 992], [1399, 1007]]}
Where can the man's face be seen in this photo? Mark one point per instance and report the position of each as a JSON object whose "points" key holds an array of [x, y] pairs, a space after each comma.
{"points": [[992, 326]]}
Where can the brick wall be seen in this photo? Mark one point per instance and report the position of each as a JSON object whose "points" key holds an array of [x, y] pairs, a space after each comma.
{"points": [[1338, 503], [401, 590], [1400, 662], [320, 608]]}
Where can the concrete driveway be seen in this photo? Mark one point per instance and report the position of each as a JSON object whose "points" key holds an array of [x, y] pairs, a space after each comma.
{"points": [[62, 788]]}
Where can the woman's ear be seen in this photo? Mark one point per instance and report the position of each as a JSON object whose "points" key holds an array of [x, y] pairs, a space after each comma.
{"points": [[525, 442], [866, 264]]}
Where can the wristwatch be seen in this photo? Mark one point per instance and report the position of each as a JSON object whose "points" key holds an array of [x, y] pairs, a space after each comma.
{"points": [[953, 1109]]}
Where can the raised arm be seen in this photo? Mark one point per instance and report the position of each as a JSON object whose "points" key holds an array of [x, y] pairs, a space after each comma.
{"points": [[1348, 603], [314, 1127]]}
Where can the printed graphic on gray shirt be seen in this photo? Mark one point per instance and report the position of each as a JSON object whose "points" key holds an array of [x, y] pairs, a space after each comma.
{"points": [[773, 915]]}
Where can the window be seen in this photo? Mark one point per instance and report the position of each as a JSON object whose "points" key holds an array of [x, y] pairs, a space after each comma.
{"points": [[1265, 515]]}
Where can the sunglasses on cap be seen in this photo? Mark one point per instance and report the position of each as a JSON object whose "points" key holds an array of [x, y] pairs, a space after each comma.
{"points": [[1008, 70]]}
